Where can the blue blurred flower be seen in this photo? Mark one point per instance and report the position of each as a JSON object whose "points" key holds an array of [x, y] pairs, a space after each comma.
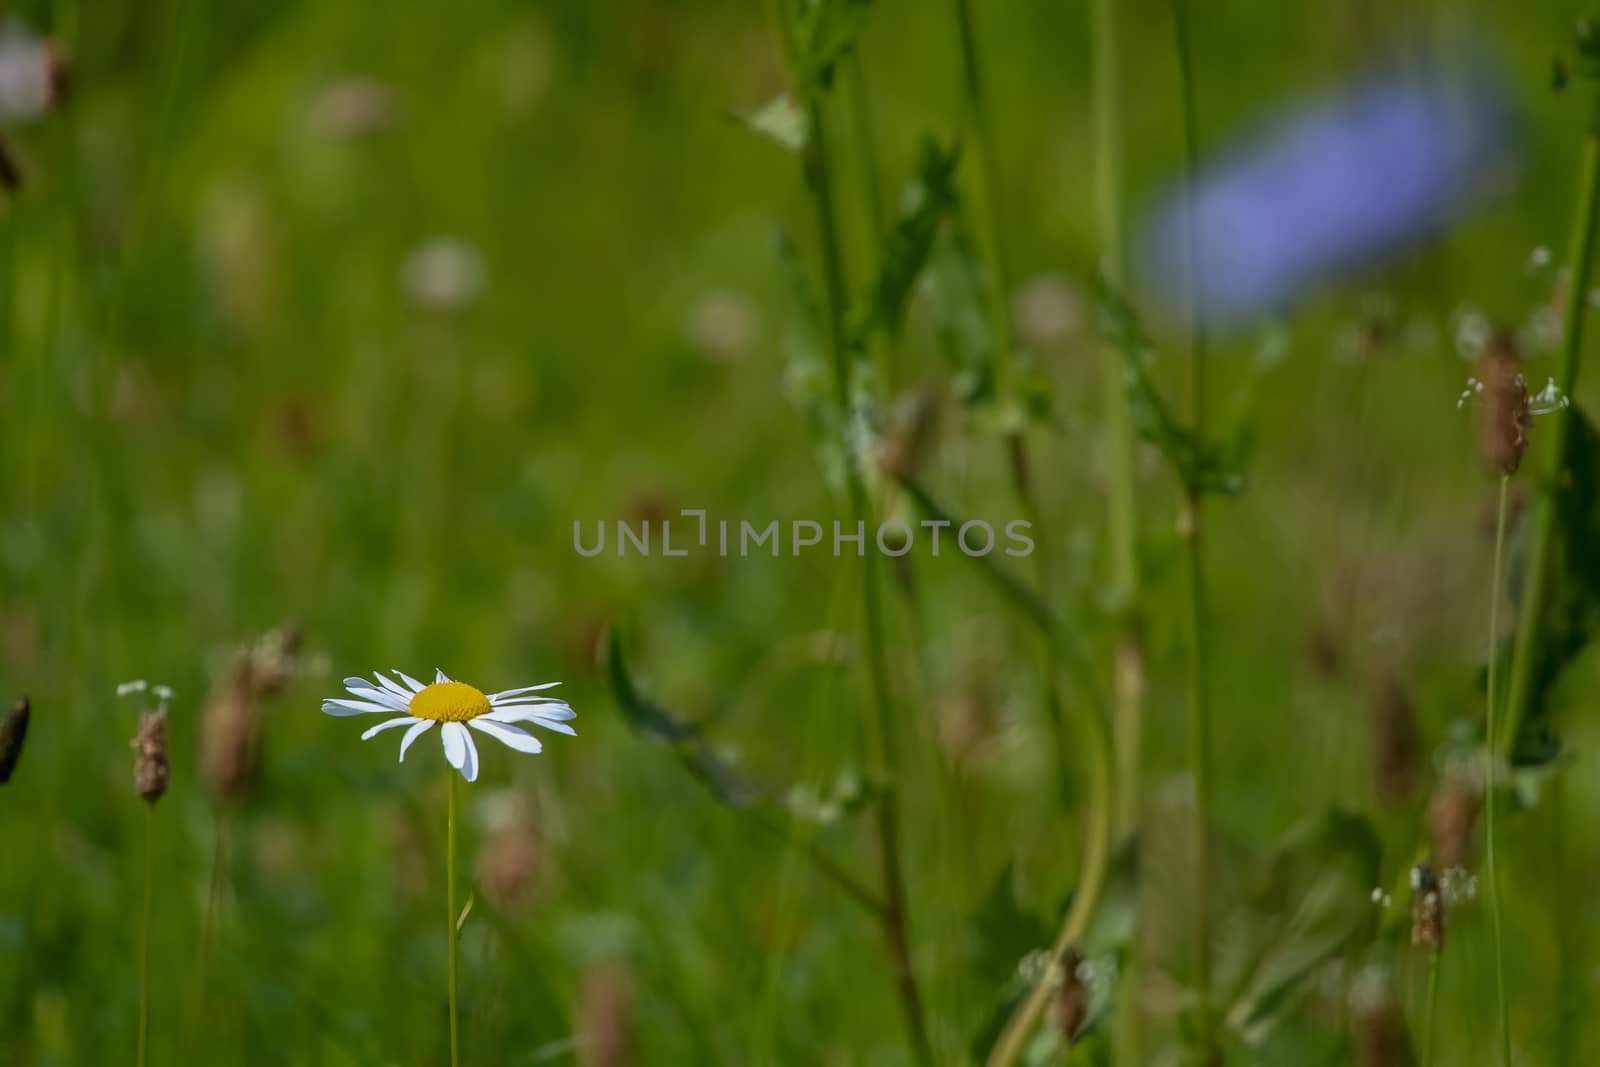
{"points": [[1329, 188]]}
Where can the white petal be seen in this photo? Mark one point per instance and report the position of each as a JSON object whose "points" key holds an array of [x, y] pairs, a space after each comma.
{"points": [[353, 707], [439, 675], [404, 720], [533, 715], [460, 751], [527, 712], [509, 736], [504, 693], [412, 734], [416, 686], [392, 686]]}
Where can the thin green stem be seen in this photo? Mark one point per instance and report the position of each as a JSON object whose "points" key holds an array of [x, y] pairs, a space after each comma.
{"points": [[1432, 1005], [208, 921], [1121, 500], [1091, 880], [1489, 786], [1536, 572], [819, 179], [1012, 423], [450, 908], [988, 202], [1193, 527], [144, 933]]}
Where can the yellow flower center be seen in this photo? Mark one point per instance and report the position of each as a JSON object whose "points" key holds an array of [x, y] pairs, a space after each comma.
{"points": [[449, 702]]}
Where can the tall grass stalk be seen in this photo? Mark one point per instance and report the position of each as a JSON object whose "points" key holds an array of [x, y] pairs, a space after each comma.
{"points": [[1121, 502], [1432, 1005], [1193, 526], [894, 920], [1536, 572], [144, 934], [450, 908], [1492, 759], [998, 305]]}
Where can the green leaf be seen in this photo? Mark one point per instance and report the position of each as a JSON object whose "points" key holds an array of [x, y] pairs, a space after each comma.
{"points": [[1573, 604], [1204, 467], [828, 29], [930, 200], [1313, 905], [650, 720], [781, 121]]}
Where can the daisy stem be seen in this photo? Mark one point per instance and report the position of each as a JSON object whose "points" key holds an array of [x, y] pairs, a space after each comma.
{"points": [[1192, 526], [1536, 572], [1492, 759], [1432, 1004], [450, 905], [144, 934]]}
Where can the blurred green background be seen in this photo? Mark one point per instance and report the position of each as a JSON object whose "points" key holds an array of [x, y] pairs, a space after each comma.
{"points": [[243, 384]]}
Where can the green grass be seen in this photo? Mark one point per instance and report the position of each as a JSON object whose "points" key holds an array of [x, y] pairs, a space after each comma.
{"points": [[219, 413]]}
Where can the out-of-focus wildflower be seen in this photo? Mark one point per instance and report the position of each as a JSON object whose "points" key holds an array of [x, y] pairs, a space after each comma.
{"points": [[1378, 1025], [454, 706], [969, 717], [723, 325], [150, 767], [444, 274], [508, 859], [13, 731], [1328, 189], [605, 1017], [1048, 311], [354, 107], [33, 75]]}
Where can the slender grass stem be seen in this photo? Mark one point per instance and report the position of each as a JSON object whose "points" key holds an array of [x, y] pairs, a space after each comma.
{"points": [[1193, 528], [998, 308], [1121, 500], [144, 933], [1536, 572], [1091, 881], [1492, 759], [450, 908], [895, 920], [1432, 1005], [208, 921]]}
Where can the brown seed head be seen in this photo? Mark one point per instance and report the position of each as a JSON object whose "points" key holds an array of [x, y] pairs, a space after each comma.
{"points": [[1452, 815], [1505, 416], [508, 863], [605, 1017], [229, 734], [1381, 1039], [12, 733], [1427, 908], [150, 756], [1071, 1005], [909, 438], [1396, 745]]}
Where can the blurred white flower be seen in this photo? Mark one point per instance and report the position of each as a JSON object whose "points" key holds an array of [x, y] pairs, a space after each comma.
{"points": [[455, 706], [1048, 312], [723, 325], [353, 107], [444, 274], [32, 76]]}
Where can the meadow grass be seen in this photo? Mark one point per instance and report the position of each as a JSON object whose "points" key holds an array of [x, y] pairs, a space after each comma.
{"points": [[222, 411]]}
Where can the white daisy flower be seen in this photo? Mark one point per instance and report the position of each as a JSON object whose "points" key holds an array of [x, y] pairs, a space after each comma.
{"points": [[455, 706]]}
